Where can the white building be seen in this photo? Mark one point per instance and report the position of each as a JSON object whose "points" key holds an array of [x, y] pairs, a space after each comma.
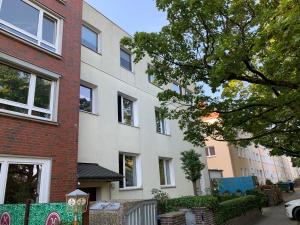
{"points": [[119, 128]]}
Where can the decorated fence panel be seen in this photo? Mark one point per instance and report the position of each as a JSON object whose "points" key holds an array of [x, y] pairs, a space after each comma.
{"points": [[39, 214]]}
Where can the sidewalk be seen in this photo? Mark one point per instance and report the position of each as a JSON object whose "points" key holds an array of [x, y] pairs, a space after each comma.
{"points": [[276, 215]]}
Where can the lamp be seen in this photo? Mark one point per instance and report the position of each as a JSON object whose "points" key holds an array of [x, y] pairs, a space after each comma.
{"points": [[77, 202]]}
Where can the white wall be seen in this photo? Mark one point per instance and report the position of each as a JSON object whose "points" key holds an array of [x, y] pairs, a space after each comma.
{"points": [[102, 137]]}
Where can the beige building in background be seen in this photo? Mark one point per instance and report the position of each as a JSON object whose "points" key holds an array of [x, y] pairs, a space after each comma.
{"points": [[227, 160], [120, 131]]}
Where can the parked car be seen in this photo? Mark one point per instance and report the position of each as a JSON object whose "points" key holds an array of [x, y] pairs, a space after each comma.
{"points": [[293, 209]]}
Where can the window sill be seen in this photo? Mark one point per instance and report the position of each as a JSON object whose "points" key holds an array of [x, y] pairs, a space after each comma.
{"points": [[130, 71], [58, 56], [97, 52], [211, 156], [131, 189], [28, 118], [91, 113], [167, 186], [168, 135], [129, 125]]}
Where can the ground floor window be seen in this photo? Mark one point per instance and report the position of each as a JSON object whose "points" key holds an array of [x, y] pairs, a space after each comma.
{"points": [[128, 166], [22, 179], [165, 172]]}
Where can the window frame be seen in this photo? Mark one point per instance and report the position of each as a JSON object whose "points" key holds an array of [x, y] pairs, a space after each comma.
{"points": [[98, 35], [134, 121], [131, 60], [137, 171], [208, 148], [171, 172], [31, 97], [94, 96], [164, 123], [39, 37], [44, 187]]}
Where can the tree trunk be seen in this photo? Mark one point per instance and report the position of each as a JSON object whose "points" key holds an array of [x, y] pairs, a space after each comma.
{"points": [[195, 188]]}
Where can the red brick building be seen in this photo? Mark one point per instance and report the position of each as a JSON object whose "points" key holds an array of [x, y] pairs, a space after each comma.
{"points": [[39, 91]]}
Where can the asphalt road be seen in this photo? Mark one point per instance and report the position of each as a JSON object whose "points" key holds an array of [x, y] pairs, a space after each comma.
{"points": [[276, 215]]}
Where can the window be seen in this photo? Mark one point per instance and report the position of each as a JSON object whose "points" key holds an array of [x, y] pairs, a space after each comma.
{"points": [[89, 38], [27, 94], [86, 99], [176, 88], [127, 110], [162, 125], [30, 22], [210, 151], [125, 59], [165, 172], [128, 165], [22, 179]]}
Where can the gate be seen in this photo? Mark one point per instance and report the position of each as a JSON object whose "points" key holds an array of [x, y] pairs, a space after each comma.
{"points": [[142, 214]]}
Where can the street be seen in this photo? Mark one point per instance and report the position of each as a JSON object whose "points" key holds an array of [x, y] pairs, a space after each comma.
{"points": [[276, 215]]}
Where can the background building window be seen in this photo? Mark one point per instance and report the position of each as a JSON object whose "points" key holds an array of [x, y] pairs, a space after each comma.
{"points": [[125, 59], [127, 111], [165, 171], [128, 168], [210, 151], [25, 93], [26, 20], [89, 38], [86, 99]]}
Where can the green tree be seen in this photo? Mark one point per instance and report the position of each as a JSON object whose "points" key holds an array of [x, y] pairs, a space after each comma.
{"points": [[247, 49], [192, 166]]}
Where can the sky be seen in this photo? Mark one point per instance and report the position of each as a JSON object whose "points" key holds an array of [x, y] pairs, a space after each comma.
{"points": [[132, 15]]}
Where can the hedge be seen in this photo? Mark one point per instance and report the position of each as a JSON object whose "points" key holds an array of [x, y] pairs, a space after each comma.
{"points": [[190, 202], [235, 207]]}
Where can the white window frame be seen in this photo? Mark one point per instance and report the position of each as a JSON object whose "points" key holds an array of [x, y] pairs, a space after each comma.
{"points": [[94, 89], [164, 123], [137, 168], [135, 118], [44, 186], [208, 151], [39, 37], [30, 99], [97, 32], [131, 59], [171, 170]]}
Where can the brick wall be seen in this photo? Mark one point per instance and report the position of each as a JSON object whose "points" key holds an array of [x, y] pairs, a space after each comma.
{"points": [[173, 218], [204, 216], [22, 137]]}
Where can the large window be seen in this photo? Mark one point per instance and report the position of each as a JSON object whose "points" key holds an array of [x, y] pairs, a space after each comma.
{"points": [[30, 22], [24, 93], [22, 179], [125, 59], [89, 38], [162, 125], [165, 172], [210, 151], [127, 110], [128, 165]]}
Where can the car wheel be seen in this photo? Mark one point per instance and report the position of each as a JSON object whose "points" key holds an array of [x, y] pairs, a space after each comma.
{"points": [[296, 214]]}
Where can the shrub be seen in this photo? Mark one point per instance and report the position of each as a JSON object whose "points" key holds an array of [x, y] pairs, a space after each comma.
{"points": [[268, 182], [190, 202], [162, 198], [261, 197], [235, 207], [222, 198]]}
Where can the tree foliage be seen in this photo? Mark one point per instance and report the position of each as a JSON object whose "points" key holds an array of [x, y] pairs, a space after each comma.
{"points": [[192, 166], [248, 49]]}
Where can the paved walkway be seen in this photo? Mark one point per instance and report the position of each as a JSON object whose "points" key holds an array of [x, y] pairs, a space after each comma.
{"points": [[276, 215]]}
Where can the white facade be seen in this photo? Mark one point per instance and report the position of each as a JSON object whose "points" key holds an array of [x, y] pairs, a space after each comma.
{"points": [[102, 138]]}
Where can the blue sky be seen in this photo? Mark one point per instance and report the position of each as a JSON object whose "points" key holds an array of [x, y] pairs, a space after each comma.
{"points": [[132, 15]]}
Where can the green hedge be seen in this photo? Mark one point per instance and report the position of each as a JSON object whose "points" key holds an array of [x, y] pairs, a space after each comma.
{"points": [[190, 202], [235, 207], [261, 197]]}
